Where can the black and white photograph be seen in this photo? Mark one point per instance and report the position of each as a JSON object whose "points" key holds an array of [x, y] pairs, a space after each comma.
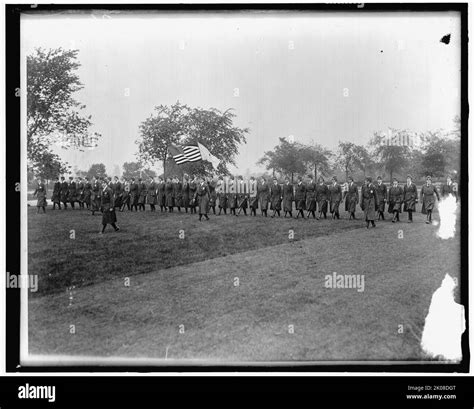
{"points": [[241, 187]]}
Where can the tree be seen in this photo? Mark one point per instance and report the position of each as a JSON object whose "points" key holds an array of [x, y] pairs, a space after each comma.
{"points": [[180, 125], [49, 166], [350, 157], [97, 170], [442, 154], [316, 158], [285, 158], [53, 115], [394, 157], [135, 170]]}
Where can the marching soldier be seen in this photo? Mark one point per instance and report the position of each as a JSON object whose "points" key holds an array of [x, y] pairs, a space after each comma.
{"points": [[169, 194], [72, 191], [125, 194], [242, 196], [87, 192], [117, 188], [211, 184], [276, 196], [232, 196], [141, 195], [368, 200], [410, 197], [202, 192], [449, 188], [311, 197], [40, 194], [108, 208], [192, 194], [64, 192], [395, 200], [381, 190], [300, 197], [222, 195], [80, 192], [178, 193], [351, 197], [428, 191], [95, 196], [335, 197], [288, 197], [134, 195], [56, 197], [151, 194], [161, 194], [254, 191], [185, 191], [322, 193], [263, 193]]}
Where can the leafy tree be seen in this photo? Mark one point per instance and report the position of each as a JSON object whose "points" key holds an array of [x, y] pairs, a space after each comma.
{"points": [[394, 157], [285, 158], [316, 158], [49, 166], [97, 170], [442, 154], [350, 157], [53, 115], [179, 124]]}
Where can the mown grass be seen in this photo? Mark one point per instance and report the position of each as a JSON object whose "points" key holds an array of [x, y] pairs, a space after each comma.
{"points": [[279, 286], [65, 249]]}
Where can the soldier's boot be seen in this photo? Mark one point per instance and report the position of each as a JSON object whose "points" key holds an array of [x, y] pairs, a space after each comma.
{"points": [[373, 223]]}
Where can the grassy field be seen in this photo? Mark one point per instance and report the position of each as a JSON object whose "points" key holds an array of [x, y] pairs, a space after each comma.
{"points": [[235, 288]]}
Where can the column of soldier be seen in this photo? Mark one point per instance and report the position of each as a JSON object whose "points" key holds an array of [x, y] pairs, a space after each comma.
{"points": [[200, 195]]}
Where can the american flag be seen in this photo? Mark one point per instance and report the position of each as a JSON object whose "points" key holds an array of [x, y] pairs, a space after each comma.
{"points": [[188, 153]]}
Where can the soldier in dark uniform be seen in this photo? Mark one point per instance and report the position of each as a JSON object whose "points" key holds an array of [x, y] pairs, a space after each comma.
{"points": [[232, 195], [263, 194], [151, 194], [178, 193], [242, 202], [202, 191], [141, 195], [192, 194], [221, 195], [125, 194], [64, 192], [428, 192], [161, 194], [395, 200], [80, 192], [118, 192], [185, 191], [381, 190], [410, 197], [169, 193], [276, 195], [56, 197], [253, 196], [368, 200], [322, 193], [95, 196], [300, 197], [134, 195], [72, 191], [108, 208], [351, 197], [449, 188], [311, 197], [335, 197], [288, 197], [211, 184], [87, 192], [40, 194]]}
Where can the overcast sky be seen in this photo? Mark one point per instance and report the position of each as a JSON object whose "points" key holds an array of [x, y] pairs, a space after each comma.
{"points": [[318, 76]]}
